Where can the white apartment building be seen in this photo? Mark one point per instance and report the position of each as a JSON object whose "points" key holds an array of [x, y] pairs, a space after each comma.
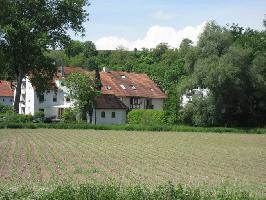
{"points": [[188, 96], [52, 102]]}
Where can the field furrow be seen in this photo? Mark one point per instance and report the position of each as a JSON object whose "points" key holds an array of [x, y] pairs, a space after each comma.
{"points": [[78, 156]]}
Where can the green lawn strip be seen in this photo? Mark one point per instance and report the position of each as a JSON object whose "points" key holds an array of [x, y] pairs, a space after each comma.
{"points": [[129, 127], [118, 192]]}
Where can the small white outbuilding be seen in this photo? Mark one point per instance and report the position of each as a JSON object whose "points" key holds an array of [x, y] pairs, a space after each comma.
{"points": [[108, 109]]}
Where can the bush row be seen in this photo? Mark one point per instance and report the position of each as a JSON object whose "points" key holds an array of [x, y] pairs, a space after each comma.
{"points": [[146, 117], [129, 127], [95, 192]]}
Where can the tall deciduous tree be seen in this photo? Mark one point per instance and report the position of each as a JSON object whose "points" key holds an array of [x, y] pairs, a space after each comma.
{"points": [[29, 28], [82, 88]]}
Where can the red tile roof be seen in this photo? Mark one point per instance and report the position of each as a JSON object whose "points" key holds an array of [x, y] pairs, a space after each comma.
{"points": [[108, 102], [5, 89], [69, 70], [135, 85]]}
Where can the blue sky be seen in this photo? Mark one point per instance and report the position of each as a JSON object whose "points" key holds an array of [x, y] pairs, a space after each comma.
{"points": [[125, 22]]}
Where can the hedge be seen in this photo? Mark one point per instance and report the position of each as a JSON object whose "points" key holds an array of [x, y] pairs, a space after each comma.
{"points": [[129, 127], [117, 192], [146, 117]]}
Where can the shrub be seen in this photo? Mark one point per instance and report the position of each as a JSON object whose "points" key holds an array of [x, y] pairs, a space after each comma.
{"points": [[5, 109], [39, 114], [115, 191], [13, 117], [69, 115], [200, 112], [146, 117]]}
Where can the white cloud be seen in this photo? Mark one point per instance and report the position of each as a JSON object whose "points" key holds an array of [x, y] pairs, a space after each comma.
{"points": [[162, 15], [155, 35]]}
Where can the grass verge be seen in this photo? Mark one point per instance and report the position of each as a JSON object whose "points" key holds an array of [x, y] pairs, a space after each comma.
{"points": [[94, 191], [127, 127]]}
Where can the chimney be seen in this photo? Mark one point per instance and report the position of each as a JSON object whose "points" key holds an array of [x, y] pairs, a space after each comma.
{"points": [[62, 71], [106, 69]]}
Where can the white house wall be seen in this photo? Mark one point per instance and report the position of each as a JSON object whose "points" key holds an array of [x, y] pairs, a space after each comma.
{"points": [[32, 103], [157, 103], [120, 116]]}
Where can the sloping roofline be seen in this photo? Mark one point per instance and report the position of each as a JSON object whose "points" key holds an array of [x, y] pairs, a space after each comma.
{"points": [[129, 84]]}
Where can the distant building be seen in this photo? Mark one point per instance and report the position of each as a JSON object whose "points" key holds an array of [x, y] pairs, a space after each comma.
{"points": [[136, 91], [188, 96], [108, 109], [121, 91], [6, 93], [52, 102]]}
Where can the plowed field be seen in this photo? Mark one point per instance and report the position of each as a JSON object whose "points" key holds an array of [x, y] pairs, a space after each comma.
{"points": [[44, 156]]}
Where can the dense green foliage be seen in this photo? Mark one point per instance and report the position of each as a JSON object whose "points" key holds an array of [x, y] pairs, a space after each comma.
{"points": [[82, 88], [27, 30], [69, 115], [90, 191], [15, 118], [128, 127], [5, 108], [229, 61], [146, 117]]}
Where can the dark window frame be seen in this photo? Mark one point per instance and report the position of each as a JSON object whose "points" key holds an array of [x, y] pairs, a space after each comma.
{"points": [[102, 114], [113, 114]]}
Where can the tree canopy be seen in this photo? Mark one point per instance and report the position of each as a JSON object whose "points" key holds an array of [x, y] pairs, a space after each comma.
{"points": [[29, 29]]}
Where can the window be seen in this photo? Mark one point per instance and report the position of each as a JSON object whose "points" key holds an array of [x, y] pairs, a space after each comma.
{"points": [[136, 100], [41, 110], [108, 87], [123, 87], [54, 98], [103, 114], [134, 103], [41, 98], [133, 87], [123, 76], [11, 100], [113, 114], [67, 99], [3, 99]]}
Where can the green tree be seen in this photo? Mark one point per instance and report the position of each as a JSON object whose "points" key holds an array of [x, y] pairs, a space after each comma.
{"points": [[74, 48], [90, 49], [29, 28], [81, 88]]}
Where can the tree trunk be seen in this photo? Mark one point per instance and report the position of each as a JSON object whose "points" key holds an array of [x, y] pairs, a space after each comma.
{"points": [[20, 76]]}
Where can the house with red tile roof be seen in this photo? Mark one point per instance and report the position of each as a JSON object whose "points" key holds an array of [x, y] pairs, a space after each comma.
{"points": [[108, 109], [6, 93], [121, 91], [136, 91]]}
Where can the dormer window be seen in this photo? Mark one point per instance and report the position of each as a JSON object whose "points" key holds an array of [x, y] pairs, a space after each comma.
{"points": [[133, 87], [123, 76], [123, 87]]}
